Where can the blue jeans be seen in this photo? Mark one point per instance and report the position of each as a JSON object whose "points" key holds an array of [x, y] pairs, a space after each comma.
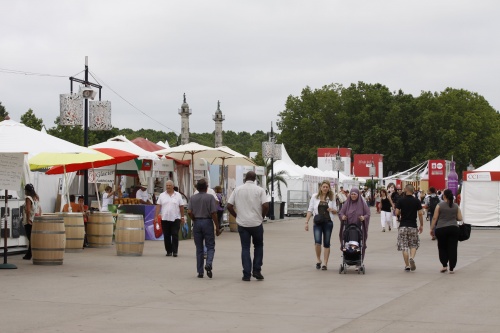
{"points": [[256, 235], [324, 230], [203, 230]]}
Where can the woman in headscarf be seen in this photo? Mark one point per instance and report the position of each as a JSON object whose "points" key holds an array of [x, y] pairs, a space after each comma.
{"points": [[354, 211]]}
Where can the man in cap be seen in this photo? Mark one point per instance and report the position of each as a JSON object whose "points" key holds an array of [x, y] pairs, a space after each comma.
{"points": [[143, 195]]}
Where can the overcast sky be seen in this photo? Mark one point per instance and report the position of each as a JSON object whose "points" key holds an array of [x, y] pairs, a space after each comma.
{"points": [[251, 55]]}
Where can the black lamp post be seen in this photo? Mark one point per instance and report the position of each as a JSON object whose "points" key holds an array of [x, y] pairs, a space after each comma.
{"points": [[273, 151], [372, 173], [85, 122]]}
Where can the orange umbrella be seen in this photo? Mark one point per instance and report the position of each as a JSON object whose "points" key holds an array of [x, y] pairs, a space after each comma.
{"points": [[119, 156]]}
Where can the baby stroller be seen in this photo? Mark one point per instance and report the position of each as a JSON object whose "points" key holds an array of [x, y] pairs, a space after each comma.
{"points": [[352, 248]]}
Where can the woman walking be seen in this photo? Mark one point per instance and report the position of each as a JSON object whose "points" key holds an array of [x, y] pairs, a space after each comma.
{"points": [[385, 207], [446, 231], [323, 204], [31, 209], [355, 210]]}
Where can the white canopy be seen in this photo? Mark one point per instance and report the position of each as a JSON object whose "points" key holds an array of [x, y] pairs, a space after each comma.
{"points": [[480, 194]]}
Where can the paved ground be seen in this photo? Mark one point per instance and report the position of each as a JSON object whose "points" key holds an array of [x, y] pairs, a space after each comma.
{"points": [[97, 291]]}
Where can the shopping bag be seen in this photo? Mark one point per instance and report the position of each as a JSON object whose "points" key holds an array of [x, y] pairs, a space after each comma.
{"points": [[158, 228]]}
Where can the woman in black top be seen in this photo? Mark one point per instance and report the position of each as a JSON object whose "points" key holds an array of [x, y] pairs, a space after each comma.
{"points": [[385, 207]]}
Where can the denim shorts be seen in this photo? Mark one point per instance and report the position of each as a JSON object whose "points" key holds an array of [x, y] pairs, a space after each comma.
{"points": [[323, 231]]}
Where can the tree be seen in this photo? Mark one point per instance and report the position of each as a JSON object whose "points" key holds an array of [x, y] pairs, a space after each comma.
{"points": [[3, 112], [29, 119], [277, 179], [368, 118]]}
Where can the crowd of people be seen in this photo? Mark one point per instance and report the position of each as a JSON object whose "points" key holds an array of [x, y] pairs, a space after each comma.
{"points": [[401, 210], [248, 203]]}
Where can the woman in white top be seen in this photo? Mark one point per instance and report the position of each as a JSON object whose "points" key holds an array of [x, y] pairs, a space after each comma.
{"points": [[322, 203], [107, 198]]}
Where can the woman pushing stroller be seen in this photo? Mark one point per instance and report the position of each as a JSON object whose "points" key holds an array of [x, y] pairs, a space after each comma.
{"points": [[354, 211]]}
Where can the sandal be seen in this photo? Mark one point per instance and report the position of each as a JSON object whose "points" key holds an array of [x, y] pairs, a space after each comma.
{"points": [[323, 268], [443, 270], [318, 265]]}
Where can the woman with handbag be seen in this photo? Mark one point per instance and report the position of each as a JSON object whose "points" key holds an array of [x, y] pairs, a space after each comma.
{"points": [[322, 205], [446, 215]]}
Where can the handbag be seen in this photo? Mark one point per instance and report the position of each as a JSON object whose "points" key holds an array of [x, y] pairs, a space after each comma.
{"points": [[464, 231], [158, 228], [319, 219]]}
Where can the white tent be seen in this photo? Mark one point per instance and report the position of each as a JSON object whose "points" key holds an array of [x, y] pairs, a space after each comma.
{"points": [[480, 203], [303, 178]]}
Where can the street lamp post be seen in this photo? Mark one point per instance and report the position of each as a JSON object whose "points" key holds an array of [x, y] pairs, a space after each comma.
{"points": [[273, 151], [85, 123], [372, 173]]}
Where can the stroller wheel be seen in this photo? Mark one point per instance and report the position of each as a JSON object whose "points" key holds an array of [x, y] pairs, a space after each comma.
{"points": [[340, 269], [364, 269], [345, 269]]}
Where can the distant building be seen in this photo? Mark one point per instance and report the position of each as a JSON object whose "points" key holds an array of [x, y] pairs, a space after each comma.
{"points": [[218, 117]]}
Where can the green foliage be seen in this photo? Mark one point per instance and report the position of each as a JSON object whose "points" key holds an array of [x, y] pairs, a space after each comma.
{"points": [[368, 118], [3, 112], [29, 119]]}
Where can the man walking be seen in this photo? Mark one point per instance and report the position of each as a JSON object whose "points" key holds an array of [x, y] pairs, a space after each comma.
{"points": [[430, 203], [408, 207], [172, 215], [202, 209], [251, 203]]}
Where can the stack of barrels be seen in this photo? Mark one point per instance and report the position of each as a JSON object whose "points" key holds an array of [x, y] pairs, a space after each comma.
{"points": [[54, 234]]}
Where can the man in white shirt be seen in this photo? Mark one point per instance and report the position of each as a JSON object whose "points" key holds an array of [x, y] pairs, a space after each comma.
{"points": [[143, 195], [172, 215], [251, 203]]}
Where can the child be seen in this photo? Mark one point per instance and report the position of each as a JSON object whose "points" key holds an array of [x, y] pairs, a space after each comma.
{"points": [[351, 247]]}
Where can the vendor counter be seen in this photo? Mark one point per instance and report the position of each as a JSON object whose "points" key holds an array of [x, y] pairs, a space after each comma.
{"points": [[16, 235], [148, 212]]}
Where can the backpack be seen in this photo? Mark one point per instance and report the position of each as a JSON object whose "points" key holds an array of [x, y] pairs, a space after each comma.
{"points": [[433, 202]]}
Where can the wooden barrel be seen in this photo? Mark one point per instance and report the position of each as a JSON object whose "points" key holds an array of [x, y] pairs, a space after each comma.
{"points": [[75, 231], [100, 229], [48, 240], [233, 226], [130, 235]]}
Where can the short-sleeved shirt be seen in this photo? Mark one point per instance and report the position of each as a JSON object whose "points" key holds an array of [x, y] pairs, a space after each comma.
{"points": [[143, 195], [248, 199], [170, 206], [75, 208], [409, 206], [202, 205]]}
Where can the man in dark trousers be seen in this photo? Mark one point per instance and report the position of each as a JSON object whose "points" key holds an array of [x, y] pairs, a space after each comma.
{"points": [[250, 202], [202, 208], [408, 240]]}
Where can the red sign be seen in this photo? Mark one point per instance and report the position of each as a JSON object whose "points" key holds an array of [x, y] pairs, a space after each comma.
{"points": [[362, 163], [332, 152], [481, 176], [437, 174]]}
